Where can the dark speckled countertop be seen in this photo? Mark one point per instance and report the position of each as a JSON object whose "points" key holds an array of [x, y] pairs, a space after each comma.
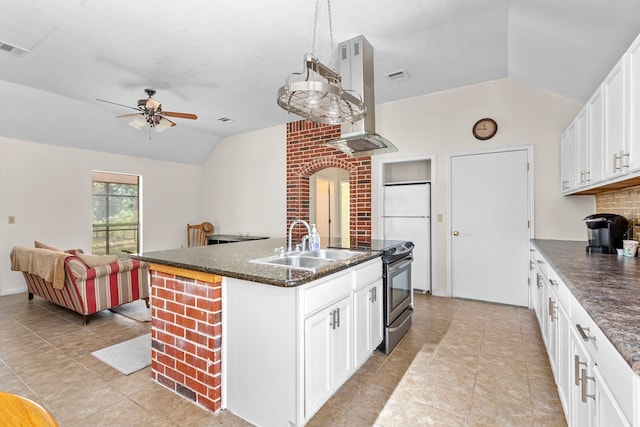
{"points": [[232, 260], [607, 286]]}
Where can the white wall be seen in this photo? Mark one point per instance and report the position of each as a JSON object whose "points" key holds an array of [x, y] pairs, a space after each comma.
{"points": [[48, 190], [440, 124], [244, 184]]}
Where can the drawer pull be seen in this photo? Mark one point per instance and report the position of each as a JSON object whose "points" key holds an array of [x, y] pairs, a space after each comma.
{"points": [[584, 334], [553, 282]]}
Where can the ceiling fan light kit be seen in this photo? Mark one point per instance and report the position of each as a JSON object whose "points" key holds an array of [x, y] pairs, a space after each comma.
{"points": [[320, 97]]}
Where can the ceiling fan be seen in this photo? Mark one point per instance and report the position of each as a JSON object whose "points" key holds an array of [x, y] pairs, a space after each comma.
{"points": [[150, 113]]}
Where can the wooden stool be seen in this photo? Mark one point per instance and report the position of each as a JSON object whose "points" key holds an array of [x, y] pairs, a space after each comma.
{"points": [[19, 411]]}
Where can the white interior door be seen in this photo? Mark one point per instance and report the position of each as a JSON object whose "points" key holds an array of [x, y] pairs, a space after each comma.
{"points": [[490, 226]]}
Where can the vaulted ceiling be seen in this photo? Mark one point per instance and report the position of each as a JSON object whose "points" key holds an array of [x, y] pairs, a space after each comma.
{"points": [[227, 59]]}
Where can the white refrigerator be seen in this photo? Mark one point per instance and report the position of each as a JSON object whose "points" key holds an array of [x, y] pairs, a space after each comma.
{"points": [[406, 215]]}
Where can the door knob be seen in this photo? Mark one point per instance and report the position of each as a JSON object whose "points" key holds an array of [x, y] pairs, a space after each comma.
{"points": [[455, 233]]}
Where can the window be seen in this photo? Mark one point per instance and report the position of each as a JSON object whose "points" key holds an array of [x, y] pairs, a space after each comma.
{"points": [[116, 213]]}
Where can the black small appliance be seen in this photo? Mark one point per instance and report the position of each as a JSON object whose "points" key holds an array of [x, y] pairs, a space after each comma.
{"points": [[605, 232]]}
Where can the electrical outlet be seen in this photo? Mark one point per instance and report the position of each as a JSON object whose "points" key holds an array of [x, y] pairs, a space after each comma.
{"points": [[440, 217], [12, 219]]}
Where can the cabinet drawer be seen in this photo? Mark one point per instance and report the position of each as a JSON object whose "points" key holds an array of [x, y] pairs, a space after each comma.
{"points": [[540, 263], [321, 294], [367, 273], [587, 331]]}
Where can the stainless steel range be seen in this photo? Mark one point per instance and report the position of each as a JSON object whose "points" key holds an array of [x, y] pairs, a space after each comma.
{"points": [[396, 275]]}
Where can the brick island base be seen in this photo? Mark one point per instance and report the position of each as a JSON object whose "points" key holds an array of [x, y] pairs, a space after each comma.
{"points": [[186, 333]]}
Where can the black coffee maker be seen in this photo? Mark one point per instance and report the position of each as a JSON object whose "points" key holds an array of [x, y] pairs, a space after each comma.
{"points": [[605, 232]]}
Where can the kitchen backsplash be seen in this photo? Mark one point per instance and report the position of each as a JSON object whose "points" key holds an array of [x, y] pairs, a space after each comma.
{"points": [[625, 202]]}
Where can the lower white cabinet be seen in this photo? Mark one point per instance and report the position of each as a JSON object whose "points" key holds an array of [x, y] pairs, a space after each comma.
{"points": [[367, 303], [607, 411], [285, 351], [597, 388], [327, 345], [581, 412]]}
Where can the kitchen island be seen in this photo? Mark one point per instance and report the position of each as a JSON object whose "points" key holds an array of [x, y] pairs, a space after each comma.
{"points": [[269, 343], [588, 307]]}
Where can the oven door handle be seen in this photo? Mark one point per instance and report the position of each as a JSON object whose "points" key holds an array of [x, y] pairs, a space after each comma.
{"points": [[393, 267]]}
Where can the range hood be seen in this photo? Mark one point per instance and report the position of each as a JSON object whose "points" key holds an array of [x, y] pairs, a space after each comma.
{"points": [[356, 69]]}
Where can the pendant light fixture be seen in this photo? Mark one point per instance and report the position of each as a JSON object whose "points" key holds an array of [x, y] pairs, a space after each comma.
{"points": [[320, 97]]}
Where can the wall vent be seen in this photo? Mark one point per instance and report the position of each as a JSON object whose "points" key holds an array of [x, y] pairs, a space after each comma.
{"points": [[9, 48], [397, 75]]}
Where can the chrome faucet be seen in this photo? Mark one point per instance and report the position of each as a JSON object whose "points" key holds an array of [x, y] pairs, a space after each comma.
{"points": [[304, 239]]}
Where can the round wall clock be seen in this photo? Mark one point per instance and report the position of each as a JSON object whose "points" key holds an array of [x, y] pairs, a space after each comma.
{"points": [[485, 128]]}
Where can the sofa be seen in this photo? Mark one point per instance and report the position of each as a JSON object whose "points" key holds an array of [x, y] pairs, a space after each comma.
{"points": [[79, 282]]}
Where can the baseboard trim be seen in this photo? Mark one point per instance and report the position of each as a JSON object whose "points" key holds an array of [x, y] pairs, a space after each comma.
{"points": [[13, 291]]}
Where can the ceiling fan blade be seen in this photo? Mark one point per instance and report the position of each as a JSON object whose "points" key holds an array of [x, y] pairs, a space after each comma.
{"points": [[128, 115], [115, 103], [180, 115]]}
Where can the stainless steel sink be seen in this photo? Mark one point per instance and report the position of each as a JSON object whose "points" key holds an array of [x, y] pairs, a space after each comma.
{"points": [[295, 261], [308, 260], [336, 254]]}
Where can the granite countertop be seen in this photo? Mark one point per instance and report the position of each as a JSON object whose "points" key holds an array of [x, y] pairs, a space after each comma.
{"points": [[233, 260], [607, 286]]}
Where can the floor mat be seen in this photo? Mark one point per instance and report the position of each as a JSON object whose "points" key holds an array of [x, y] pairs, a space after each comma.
{"points": [[128, 356]]}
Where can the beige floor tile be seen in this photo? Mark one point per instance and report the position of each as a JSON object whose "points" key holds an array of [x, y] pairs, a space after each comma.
{"points": [[400, 412], [462, 363]]}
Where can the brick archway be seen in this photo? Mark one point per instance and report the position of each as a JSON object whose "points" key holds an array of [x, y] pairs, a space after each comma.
{"points": [[306, 155]]}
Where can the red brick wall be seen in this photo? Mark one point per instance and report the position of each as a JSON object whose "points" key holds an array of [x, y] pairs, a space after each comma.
{"points": [[306, 155], [186, 333]]}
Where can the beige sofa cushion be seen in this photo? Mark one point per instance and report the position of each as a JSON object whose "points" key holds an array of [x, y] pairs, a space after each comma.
{"points": [[95, 260]]}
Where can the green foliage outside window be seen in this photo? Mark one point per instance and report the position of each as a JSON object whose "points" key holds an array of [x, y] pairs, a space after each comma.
{"points": [[115, 218]]}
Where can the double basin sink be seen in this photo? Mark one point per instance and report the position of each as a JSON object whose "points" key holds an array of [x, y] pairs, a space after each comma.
{"points": [[308, 260]]}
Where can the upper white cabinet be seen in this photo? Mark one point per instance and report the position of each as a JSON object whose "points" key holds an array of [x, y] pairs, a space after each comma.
{"points": [[568, 159], [595, 138], [615, 109], [602, 145], [633, 65]]}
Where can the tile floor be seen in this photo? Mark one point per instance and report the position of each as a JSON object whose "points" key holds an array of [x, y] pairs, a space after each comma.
{"points": [[463, 363]]}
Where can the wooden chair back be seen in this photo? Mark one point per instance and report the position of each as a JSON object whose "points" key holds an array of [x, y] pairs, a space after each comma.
{"points": [[197, 234]]}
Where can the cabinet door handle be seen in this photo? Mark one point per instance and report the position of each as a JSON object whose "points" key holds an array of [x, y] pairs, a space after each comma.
{"points": [[576, 368], [337, 322], [552, 310], [584, 378], [616, 158], [332, 322], [584, 334], [587, 177], [622, 157]]}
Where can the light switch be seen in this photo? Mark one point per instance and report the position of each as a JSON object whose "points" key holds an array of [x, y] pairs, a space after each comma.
{"points": [[440, 218], [12, 219]]}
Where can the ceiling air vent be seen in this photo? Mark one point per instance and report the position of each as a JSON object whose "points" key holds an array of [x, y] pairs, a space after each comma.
{"points": [[18, 51], [397, 75], [225, 119]]}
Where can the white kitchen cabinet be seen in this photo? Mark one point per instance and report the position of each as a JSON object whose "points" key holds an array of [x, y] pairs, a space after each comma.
{"points": [[633, 63], [595, 137], [616, 143], [563, 356], [367, 306], [597, 388], [607, 411], [582, 392], [327, 347], [568, 159], [581, 146], [286, 350]]}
